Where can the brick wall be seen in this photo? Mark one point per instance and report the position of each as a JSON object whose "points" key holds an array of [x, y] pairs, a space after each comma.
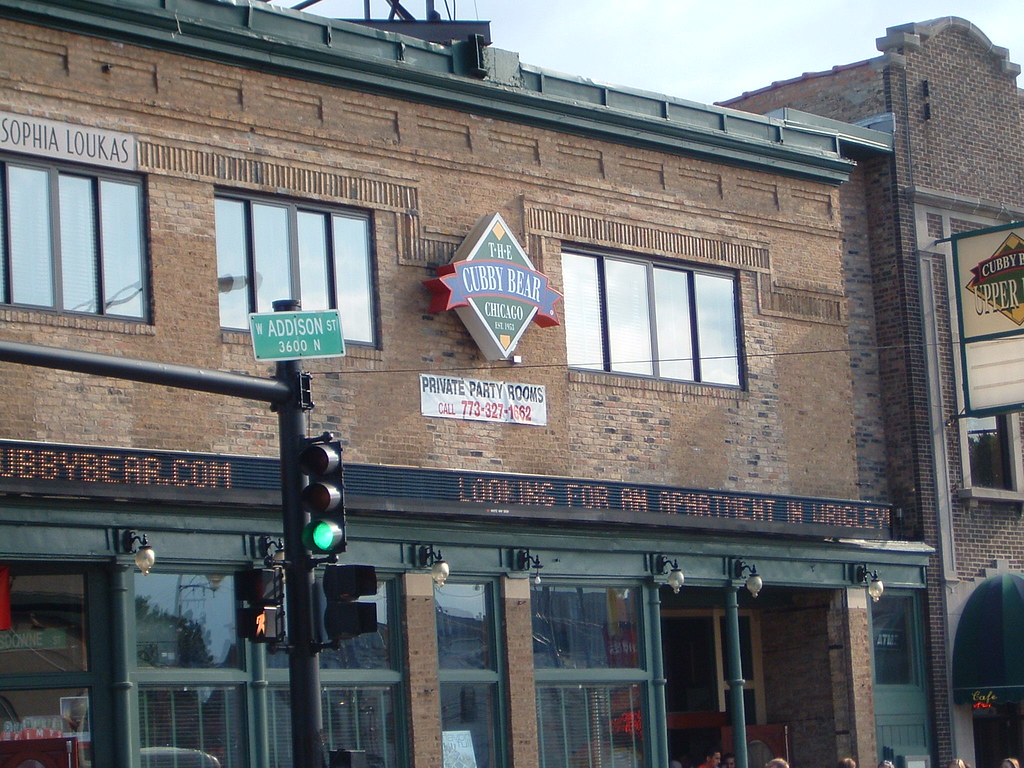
{"points": [[427, 174]]}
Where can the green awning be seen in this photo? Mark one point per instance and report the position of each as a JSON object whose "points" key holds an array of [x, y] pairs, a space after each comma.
{"points": [[988, 653]]}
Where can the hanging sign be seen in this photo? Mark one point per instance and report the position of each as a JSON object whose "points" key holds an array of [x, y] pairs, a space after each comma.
{"points": [[493, 287], [989, 271], [449, 397]]}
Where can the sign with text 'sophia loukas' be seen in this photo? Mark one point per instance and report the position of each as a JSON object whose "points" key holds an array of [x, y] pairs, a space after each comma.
{"points": [[494, 288]]}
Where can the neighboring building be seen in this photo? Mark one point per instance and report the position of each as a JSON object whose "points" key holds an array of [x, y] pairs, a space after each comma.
{"points": [[950, 98], [168, 168]]}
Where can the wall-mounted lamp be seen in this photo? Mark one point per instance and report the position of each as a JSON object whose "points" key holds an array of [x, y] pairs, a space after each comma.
{"points": [[661, 564], [875, 585], [522, 560], [754, 581], [272, 550], [145, 557], [426, 555]]}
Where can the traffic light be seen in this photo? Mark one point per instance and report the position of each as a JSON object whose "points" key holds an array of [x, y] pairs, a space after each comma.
{"points": [[323, 496], [262, 618], [343, 585]]}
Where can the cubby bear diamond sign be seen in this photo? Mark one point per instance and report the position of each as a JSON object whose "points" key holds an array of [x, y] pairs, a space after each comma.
{"points": [[493, 287]]}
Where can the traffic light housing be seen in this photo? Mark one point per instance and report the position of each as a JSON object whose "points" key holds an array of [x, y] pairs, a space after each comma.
{"points": [[261, 620], [323, 496], [344, 616]]}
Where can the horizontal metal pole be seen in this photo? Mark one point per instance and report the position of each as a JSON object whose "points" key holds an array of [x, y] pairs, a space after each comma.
{"points": [[180, 376]]}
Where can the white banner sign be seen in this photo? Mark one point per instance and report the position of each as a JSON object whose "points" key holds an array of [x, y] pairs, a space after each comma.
{"points": [[67, 141], [448, 397]]}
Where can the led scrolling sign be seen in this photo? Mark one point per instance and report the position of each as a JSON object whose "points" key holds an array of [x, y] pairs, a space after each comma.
{"points": [[218, 479]]}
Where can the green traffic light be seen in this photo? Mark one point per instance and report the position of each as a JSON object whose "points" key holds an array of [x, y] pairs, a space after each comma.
{"points": [[324, 537]]}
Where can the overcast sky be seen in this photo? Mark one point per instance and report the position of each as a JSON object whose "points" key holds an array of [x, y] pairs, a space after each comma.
{"points": [[702, 50]]}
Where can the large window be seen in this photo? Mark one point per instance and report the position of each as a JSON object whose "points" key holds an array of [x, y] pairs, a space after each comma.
{"points": [[268, 250], [468, 673], [71, 241], [635, 317], [191, 692], [590, 676], [360, 697], [46, 659], [989, 452]]}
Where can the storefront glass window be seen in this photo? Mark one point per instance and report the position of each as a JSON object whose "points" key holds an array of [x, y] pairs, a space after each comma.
{"points": [[198, 726], [355, 717], [584, 627], [185, 620], [590, 726], [989, 452], [46, 714], [893, 640], [468, 675], [47, 633]]}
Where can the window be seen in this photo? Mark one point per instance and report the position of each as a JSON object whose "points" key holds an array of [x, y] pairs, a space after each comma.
{"points": [[50, 683], [71, 242], [468, 674], [191, 692], [636, 317], [271, 250], [360, 695], [988, 448], [590, 676]]}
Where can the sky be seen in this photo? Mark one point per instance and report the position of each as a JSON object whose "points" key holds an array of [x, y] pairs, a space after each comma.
{"points": [[704, 51]]}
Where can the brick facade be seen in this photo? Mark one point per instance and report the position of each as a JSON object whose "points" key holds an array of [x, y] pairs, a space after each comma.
{"points": [[956, 166]]}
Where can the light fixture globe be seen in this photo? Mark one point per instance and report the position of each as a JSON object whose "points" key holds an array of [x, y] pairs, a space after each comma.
{"points": [[676, 579], [145, 558], [875, 588], [439, 572], [754, 584]]}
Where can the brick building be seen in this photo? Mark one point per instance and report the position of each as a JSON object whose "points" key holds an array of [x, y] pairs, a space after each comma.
{"points": [[950, 99], [688, 406]]}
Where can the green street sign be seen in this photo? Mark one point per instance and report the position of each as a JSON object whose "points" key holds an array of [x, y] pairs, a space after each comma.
{"points": [[297, 335]]}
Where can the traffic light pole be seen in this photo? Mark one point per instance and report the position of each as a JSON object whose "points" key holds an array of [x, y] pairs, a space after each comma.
{"points": [[307, 717]]}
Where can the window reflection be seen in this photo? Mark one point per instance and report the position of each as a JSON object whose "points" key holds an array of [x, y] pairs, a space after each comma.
{"points": [[592, 726], [988, 448], [199, 726], [463, 626], [185, 620], [584, 627], [49, 713], [47, 633]]}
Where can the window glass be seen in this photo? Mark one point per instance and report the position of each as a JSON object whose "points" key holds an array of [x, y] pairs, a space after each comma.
{"points": [[468, 725], [123, 287], [320, 258], [675, 334], [633, 317], [232, 273], [988, 449], [270, 250], [78, 244], [584, 627], [716, 330], [582, 303], [463, 626], [629, 317], [48, 627], [313, 260], [590, 726], [31, 239], [892, 628], [185, 620], [45, 713], [192, 725], [355, 717], [352, 273]]}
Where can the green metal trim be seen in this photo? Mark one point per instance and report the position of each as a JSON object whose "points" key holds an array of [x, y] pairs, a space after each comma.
{"points": [[270, 39]]}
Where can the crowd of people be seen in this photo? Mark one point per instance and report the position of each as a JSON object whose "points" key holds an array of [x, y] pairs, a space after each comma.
{"points": [[715, 759]]}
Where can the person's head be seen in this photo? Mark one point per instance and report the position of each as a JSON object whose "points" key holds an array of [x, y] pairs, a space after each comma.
{"points": [[847, 762], [1009, 762], [776, 762], [956, 762], [728, 760], [714, 757]]}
